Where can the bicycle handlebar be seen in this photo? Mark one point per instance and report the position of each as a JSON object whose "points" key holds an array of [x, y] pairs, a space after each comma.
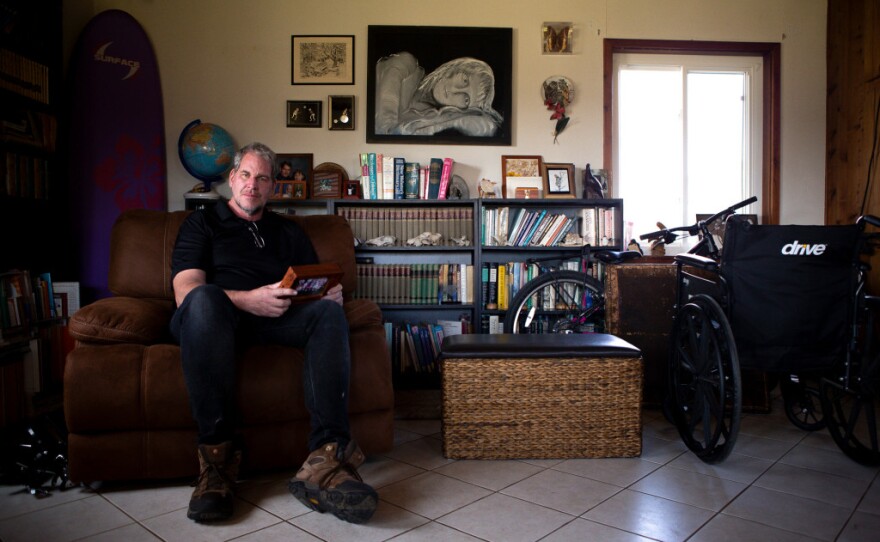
{"points": [[668, 233]]}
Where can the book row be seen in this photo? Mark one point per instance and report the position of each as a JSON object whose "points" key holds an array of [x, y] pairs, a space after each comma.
{"points": [[500, 282], [415, 284], [25, 176], [415, 347], [392, 177], [405, 223], [520, 227], [26, 299]]}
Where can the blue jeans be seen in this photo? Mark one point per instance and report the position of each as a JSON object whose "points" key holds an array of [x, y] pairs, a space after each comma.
{"points": [[210, 331]]}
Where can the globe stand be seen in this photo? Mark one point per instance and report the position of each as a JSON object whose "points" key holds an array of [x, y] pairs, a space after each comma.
{"points": [[201, 197]]}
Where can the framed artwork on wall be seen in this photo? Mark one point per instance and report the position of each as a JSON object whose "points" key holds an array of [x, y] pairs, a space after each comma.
{"points": [[559, 181], [340, 111], [303, 114], [439, 85], [520, 172], [293, 167], [322, 60]]}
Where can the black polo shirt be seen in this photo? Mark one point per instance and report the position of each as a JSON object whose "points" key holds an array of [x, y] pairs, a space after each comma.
{"points": [[222, 245]]}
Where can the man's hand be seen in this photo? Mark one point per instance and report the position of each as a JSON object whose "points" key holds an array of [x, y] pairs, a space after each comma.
{"points": [[269, 301], [334, 294]]}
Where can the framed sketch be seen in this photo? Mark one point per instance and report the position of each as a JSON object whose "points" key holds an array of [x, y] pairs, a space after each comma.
{"points": [[439, 85], [293, 167], [520, 172], [340, 111], [559, 181], [326, 185], [322, 60], [303, 114]]}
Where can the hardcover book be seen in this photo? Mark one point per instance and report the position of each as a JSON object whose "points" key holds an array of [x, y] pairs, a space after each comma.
{"points": [[311, 281]]}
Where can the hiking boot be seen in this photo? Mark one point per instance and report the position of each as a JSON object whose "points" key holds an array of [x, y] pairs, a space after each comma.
{"points": [[328, 481], [218, 470]]}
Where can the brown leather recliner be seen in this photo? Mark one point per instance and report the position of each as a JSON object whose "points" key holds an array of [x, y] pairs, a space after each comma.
{"points": [[125, 401]]}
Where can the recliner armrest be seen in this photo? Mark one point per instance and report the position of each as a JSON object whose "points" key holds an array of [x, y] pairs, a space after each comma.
{"points": [[116, 320]]}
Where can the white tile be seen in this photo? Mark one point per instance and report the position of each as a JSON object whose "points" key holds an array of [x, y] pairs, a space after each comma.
{"points": [[737, 467], [658, 450], [425, 453], [271, 496], [435, 532], [280, 532], [402, 435], [762, 447], [582, 529], [832, 462], [861, 527], [432, 495], [17, 501], [505, 519], [649, 516], [68, 521], [490, 474], [871, 501], [381, 471], [130, 533], [723, 528], [771, 427], [562, 491], [690, 487], [813, 484], [616, 471], [146, 500], [388, 522], [788, 512], [246, 519]]}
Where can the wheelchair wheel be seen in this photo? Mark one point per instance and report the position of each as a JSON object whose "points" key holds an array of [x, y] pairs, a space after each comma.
{"points": [[557, 302], [853, 414], [803, 406], [705, 389]]}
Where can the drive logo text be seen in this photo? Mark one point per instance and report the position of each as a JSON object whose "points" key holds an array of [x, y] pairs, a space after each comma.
{"points": [[803, 249]]}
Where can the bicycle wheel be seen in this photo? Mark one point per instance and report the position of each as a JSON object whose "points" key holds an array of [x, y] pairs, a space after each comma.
{"points": [[557, 302], [800, 397], [705, 389], [852, 414]]}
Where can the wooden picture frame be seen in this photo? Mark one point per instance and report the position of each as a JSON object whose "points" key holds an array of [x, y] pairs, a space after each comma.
{"points": [[326, 185], [283, 190], [294, 167], [520, 171], [340, 112], [322, 60], [559, 181], [303, 114], [424, 54], [353, 190], [299, 190], [311, 281]]}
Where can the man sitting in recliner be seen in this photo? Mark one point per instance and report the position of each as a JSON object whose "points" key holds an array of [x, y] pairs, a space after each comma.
{"points": [[226, 269]]}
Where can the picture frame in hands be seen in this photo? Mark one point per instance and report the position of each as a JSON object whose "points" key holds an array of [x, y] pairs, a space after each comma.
{"points": [[293, 167], [559, 181], [326, 185], [340, 110], [322, 60], [311, 281], [520, 172], [303, 114]]}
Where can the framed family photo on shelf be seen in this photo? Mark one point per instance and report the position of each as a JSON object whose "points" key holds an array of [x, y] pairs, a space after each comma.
{"points": [[293, 167], [322, 60], [559, 181], [439, 85], [521, 172]]}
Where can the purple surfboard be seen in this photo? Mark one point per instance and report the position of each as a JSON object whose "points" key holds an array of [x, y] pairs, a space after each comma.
{"points": [[117, 137]]}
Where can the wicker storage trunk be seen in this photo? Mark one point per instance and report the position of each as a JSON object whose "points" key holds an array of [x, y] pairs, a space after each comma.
{"points": [[540, 397]]}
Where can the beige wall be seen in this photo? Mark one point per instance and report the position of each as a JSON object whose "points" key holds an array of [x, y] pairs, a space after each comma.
{"points": [[228, 62]]}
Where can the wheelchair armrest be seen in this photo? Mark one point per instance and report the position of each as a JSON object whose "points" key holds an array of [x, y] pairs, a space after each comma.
{"points": [[700, 262]]}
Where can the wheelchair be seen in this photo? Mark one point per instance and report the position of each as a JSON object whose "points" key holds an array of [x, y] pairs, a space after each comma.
{"points": [[781, 299]]}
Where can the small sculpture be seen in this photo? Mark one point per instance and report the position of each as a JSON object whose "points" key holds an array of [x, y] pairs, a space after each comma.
{"points": [[488, 188], [572, 240], [592, 186], [462, 241], [425, 239], [381, 241]]}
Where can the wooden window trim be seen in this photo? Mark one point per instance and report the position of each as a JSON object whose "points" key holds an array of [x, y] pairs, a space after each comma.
{"points": [[770, 52]]}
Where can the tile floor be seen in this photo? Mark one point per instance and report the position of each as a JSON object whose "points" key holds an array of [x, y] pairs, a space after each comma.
{"points": [[780, 484]]}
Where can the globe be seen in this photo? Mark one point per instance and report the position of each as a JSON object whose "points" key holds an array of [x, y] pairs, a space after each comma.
{"points": [[206, 151]]}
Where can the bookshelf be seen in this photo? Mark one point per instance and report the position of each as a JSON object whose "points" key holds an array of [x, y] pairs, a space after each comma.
{"points": [[407, 281]]}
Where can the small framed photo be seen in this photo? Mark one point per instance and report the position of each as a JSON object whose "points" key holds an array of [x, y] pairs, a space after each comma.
{"points": [[293, 167], [327, 185], [302, 114], [520, 171], [322, 60], [340, 111], [353, 190], [559, 181], [299, 190], [283, 190], [556, 38]]}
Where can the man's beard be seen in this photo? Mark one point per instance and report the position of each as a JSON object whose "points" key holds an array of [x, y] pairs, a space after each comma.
{"points": [[250, 211]]}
